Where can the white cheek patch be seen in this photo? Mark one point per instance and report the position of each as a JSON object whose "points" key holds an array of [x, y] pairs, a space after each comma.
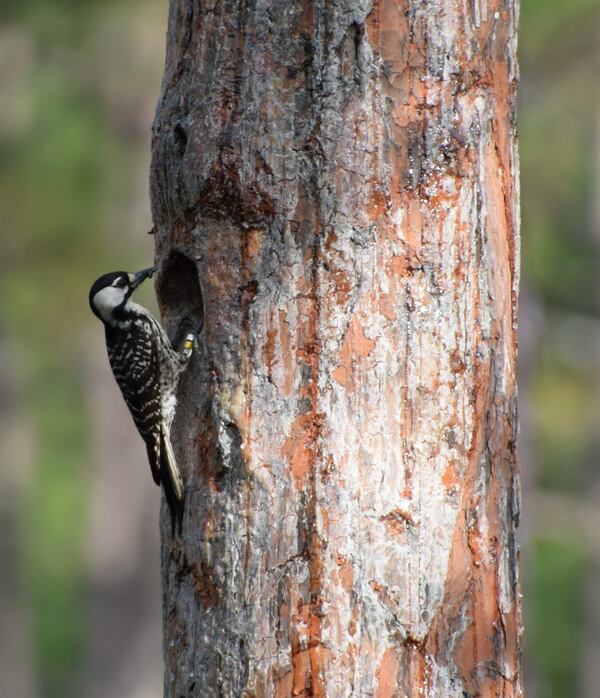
{"points": [[106, 300]]}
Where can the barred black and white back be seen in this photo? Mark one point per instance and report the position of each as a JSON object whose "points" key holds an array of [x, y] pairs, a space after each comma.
{"points": [[147, 370]]}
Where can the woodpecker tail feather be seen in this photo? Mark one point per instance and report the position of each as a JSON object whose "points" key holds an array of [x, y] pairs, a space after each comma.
{"points": [[171, 478]]}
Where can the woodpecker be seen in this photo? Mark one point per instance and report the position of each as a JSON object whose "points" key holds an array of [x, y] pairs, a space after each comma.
{"points": [[147, 370]]}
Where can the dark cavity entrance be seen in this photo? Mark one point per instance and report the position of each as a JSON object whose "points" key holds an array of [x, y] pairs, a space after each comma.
{"points": [[180, 297]]}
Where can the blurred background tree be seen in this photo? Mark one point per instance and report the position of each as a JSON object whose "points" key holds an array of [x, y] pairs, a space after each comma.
{"points": [[79, 580]]}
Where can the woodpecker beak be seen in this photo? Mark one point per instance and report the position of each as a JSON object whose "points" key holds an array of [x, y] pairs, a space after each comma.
{"points": [[136, 279]]}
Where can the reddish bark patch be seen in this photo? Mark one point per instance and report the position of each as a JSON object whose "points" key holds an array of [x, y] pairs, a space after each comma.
{"points": [[356, 346], [457, 365], [397, 521], [377, 203], [387, 674], [284, 685], [451, 478], [345, 573], [269, 351], [301, 663], [300, 449], [397, 266]]}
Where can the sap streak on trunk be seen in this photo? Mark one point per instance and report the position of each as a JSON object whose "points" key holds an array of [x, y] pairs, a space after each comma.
{"points": [[334, 185]]}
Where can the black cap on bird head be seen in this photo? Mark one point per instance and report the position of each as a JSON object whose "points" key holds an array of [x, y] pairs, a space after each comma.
{"points": [[111, 291]]}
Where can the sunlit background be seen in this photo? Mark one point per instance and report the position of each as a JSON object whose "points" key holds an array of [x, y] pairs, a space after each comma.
{"points": [[79, 565]]}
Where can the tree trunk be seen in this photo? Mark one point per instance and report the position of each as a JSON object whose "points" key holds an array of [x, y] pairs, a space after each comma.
{"points": [[334, 185]]}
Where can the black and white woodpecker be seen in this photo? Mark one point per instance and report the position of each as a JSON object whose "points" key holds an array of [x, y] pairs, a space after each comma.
{"points": [[147, 370]]}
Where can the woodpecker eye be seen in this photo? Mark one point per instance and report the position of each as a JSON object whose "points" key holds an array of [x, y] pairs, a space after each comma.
{"points": [[120, 283]]}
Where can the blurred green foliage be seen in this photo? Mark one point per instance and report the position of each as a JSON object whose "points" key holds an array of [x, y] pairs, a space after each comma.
{"points": [[559, 130], [53, 512], [554, 637], [60, 166], [60, 169], [55, 22], [565, 413]]}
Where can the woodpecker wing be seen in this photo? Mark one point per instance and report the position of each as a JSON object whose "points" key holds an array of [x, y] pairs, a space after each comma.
{"points": [[134, 360]]}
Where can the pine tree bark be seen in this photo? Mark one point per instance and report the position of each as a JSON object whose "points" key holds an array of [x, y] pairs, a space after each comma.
{"points": [[334, 187]]}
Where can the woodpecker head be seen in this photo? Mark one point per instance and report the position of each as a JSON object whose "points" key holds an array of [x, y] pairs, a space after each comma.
{"points": [[110, 294]]}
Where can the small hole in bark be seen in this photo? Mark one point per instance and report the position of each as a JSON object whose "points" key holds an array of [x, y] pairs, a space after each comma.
{"points": [[180, 296], [358, 32], [180, 139]]}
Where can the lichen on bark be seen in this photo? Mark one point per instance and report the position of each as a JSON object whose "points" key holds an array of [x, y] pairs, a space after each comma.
{"points": [[334, 188]]}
